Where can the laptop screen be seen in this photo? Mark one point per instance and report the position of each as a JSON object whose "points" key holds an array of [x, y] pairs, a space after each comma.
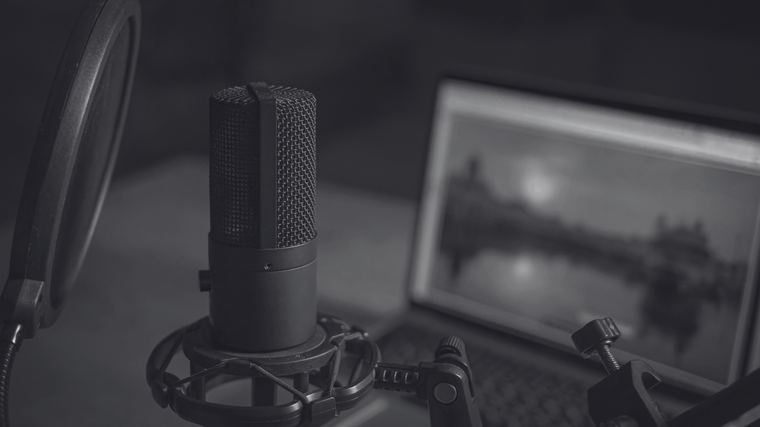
{"points": [[540, 214]]}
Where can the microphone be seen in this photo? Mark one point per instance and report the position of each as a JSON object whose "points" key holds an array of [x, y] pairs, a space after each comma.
{"points": [[262, 247], [263, 324]]}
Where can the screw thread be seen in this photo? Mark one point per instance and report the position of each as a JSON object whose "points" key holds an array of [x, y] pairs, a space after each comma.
{"points": [[608, 360]]}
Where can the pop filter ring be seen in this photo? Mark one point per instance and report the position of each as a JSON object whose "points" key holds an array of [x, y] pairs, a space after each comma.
{"points": [[72, 162], [312, 408]]}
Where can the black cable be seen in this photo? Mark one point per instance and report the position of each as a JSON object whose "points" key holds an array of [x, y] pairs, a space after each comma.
{"points": [[11, 336]]}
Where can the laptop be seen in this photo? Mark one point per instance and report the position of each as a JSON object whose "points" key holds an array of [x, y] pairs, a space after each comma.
{"points": [[546, 206]]}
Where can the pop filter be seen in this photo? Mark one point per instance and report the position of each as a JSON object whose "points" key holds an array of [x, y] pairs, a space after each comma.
{"points": [[72, 162]]}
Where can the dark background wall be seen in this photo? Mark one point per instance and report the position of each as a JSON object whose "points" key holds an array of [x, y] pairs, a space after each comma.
{"points": [[372, 66]]}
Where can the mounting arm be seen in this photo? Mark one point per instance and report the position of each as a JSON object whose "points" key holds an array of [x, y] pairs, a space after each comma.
{"points": [[446, 384]]}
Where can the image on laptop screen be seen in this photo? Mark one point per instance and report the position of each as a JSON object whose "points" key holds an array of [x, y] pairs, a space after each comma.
{"points": [[542, 214]]}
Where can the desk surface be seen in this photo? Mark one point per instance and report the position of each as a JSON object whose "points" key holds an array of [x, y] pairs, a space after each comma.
{"points": [[139, 283]]}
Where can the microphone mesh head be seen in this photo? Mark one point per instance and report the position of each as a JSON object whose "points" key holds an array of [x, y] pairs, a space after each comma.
{"points": [[296, 166], [234, 167]]}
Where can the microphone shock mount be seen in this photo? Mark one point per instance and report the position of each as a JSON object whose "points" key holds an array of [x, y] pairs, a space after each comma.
{"points": [[308, 372]]}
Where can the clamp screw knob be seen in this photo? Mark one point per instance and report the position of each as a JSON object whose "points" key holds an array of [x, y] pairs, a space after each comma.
{"points": [[450, 344], [596, 337]]}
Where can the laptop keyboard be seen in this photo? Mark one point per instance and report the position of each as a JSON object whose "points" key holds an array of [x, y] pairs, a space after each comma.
{"points": [[508, 393]]}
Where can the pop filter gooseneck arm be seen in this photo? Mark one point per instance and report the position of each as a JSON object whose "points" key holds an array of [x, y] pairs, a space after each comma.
{"points": [[11, 336]]}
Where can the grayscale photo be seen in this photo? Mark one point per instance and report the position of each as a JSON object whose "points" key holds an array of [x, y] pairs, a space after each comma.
{"points": [[406, 213]]}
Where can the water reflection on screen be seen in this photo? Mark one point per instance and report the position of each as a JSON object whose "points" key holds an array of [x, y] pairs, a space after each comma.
{"points": [[562, 231]]}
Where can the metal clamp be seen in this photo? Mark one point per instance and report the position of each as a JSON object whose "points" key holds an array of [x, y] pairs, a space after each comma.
{"points": [[446, 384]]}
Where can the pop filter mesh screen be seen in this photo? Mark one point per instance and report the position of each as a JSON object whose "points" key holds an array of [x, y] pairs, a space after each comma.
{"points": [[234, 162]]}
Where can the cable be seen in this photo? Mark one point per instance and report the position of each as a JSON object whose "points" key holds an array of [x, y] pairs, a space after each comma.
{"points": [[11, 336]]}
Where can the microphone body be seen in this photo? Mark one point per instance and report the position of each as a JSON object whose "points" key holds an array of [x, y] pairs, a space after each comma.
{"points": [[262, 243]]}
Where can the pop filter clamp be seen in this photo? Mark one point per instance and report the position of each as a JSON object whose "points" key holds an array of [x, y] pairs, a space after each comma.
{"points": [[622, 398]]}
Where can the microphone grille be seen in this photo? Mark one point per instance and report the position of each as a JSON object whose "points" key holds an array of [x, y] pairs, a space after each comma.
{"points": [[235, 177], [296, 166], [233, 157]]}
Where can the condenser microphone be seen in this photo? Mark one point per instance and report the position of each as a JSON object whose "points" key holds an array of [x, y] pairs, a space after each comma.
{"points": [[262, 248], [263, 324]]}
